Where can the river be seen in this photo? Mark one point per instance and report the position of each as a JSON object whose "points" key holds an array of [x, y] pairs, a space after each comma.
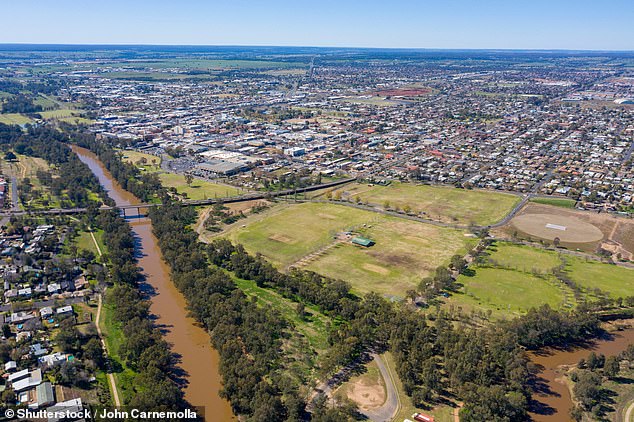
{"points": [[556, 401], [197, 359]]}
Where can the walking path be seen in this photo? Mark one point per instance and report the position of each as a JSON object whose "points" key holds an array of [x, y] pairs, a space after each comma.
{"points": [[628, 414], [109, 374]]}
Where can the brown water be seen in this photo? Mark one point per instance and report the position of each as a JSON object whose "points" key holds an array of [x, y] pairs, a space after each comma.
{"points": [[198, 359], [557, 400]]}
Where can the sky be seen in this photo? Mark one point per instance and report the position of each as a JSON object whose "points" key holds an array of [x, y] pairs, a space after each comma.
{"points": [[451, 24]]}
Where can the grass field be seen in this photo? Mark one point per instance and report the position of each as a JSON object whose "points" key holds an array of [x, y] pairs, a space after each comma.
{"points": [[522, 276], [15, 119], [618, 281], [511, 291], [113, 335], [557, 202], [523, 258], [405, 251], [199, 189], [438, 202], [134, 156], [84, 241]]}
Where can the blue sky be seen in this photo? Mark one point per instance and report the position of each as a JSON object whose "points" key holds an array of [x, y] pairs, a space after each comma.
{"points": [[529, 24]]}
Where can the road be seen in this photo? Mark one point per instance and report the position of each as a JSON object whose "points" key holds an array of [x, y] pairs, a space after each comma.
{"points": [[392, 403], [384, 413], [197, 202]]}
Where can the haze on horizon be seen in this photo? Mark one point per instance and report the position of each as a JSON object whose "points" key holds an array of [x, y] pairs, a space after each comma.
{"points": [[451, 24]]}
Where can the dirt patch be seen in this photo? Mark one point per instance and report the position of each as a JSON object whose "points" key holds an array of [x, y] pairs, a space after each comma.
{"points": [[376, 269], [282, 239], [327, 216], [399, 260], [617, 229], [367, 396], [566, 228]]}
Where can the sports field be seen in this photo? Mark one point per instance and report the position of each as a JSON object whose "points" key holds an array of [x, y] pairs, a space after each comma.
{"points": [[522, 276], [522, 258], [405, 251], [437, 202], [618, 281], [511, 291]]}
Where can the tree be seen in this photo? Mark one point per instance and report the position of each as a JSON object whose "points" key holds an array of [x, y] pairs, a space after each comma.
{"points": [[300, 310], [10, 156], [556, 242], [189, 179], [611, 367], [386, 205]]}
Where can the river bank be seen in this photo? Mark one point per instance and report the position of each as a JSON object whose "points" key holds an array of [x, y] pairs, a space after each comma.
{"points": [[191, 343], [553, 397]]}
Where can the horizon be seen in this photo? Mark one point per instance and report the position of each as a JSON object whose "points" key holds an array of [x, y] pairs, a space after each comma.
{"points": [[414, 49]]}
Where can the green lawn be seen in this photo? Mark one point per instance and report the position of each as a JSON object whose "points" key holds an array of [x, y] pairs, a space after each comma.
{"points": [[438, 202], [405, 251], [618, 281], [510, 291], [113, 335], [84, 241], [558, 202], [15, 119], [199, 189], [523, 258]]}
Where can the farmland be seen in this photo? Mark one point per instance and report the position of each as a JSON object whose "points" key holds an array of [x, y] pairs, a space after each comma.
{"points": [[404, 252], [436, 202]]}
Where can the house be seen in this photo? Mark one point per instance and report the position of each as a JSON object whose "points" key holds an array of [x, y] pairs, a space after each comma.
{"points": [[54, 288], [73, 406], [20, 317], [44, 395], [46, 312], [52, 360], [38, 350], [25, 379], [64, 310], [10, 366]]}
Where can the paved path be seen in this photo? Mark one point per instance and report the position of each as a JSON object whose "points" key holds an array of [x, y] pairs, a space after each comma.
{"points": [[111, 379], [629, 413], [109, 374], [392, 403]]}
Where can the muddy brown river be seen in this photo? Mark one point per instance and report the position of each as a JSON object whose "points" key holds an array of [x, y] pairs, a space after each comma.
{"points": [[556, 400], [190, 342]]}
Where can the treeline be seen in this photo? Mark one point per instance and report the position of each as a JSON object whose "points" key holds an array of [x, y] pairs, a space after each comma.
{"points": [[247, 336], [75, 180], [20, 103], [488, 370], [144, 186], [588, 389], [143, 348]]}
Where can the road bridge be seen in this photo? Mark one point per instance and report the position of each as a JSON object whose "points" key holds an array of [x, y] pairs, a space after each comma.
{"points": [[141, 209]]}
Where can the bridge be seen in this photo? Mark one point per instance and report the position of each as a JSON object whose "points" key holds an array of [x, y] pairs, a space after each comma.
{"points": [[192, 203]]}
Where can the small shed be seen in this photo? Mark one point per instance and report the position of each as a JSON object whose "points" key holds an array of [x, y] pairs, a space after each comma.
{"points": [[363, 241]]}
